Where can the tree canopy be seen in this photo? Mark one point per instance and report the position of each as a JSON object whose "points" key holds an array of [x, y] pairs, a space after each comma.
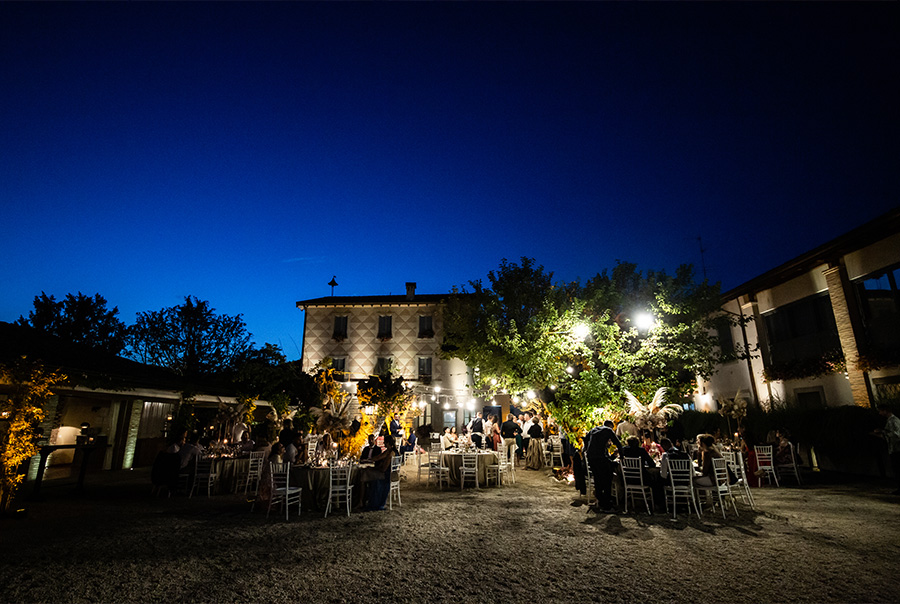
{"points": [[573, 348], [79, 319], [191, 339]]}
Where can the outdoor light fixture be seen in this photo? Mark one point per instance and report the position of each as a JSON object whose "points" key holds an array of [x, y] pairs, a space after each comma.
{"points": [[552, 386], [169, 417], [530, 394], [433, 397], [437, 388], [644, 321], [493, 381], [446, 405], [471, 405], [570, 369], [515, 399], [422, 404], [581, 331]]}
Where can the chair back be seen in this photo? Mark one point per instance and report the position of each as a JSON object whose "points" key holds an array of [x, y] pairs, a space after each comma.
{"points": [[681, 473], [281, 473], [257, 458], [339, 476], [720, 470], [204, 465], [631, 471], [470, 461], [763, 455]]}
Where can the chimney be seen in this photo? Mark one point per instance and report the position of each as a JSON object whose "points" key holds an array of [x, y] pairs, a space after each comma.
{"points": [[410, 290]]}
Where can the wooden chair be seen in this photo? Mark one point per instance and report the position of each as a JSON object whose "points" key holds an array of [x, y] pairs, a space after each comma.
{"points": [[205, 475], [791, 469], [764, 461], [395, 482], [340, 491], [681, 486], [721, 488], [468, 470], [633, 480], [282, 491]]}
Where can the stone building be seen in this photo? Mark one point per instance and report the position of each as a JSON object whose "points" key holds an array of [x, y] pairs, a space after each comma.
{"points": [[367, 335]]}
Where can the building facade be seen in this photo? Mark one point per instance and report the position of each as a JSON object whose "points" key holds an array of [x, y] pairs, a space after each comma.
{"points": [[822, 329], [367, 335]]}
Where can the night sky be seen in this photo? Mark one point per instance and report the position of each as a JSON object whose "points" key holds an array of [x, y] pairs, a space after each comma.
{"points": [[245, 153]]}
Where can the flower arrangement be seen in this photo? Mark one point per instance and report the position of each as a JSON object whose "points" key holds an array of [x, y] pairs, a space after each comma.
{"points": [[655, 415]]}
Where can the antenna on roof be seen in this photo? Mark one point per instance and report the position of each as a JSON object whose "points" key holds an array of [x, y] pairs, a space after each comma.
{"points": [[333, 283]]}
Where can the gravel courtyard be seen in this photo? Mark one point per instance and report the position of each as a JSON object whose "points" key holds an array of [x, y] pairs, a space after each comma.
{"points": [[523, 543]]}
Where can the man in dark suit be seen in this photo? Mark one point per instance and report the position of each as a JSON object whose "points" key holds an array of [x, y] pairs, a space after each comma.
{"points": [[596, 444], [370, 450], [394, 429]]}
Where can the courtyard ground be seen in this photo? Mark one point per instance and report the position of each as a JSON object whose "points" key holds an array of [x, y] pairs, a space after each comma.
{"points": [[529, 542]]}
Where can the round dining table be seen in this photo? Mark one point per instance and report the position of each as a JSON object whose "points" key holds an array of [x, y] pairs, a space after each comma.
{"points": [[452, 460]]}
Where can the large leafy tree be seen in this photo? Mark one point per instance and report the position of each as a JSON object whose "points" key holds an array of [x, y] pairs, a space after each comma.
{"points": [[575, 349], [80, 319], [191, 339]]}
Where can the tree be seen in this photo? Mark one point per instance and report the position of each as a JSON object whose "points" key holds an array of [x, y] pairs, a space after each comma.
{"points": [[190, 339], [20, 413], [79, 319], [573, 349]]}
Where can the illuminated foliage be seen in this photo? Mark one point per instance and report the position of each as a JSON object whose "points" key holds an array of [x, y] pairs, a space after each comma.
{"points": [[20, 414], [578, 347], [387, 394]]}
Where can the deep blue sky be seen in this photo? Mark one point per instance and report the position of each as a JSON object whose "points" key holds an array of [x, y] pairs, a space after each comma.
{"points": [[245, 153]]}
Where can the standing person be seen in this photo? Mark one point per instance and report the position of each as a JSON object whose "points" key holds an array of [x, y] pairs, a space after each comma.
{"points": [[508, 431], [596, 445], [476, 429], [526, 439], [891, 434], [394, 429], [286, 436], [495, 438], [534, 457], [488, 427]]}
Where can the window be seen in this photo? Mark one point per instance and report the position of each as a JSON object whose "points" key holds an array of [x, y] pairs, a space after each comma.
{"points": [[339, 364], [425, 370], [383, 365], [879, 304], [726, 341], [340, 329], [802, 331], [426, 326], [385, 327]]}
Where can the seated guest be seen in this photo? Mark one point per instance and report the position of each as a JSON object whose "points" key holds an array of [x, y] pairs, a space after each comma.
{"points": [[633, 448], [651, 447], [376, 481], [276, 455], [708, 452], [370, 450], [292, 449], [672, 452], [246, 443], [447, 440], [190, 451], [783, 455], [410, 445], [323, 448]]}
